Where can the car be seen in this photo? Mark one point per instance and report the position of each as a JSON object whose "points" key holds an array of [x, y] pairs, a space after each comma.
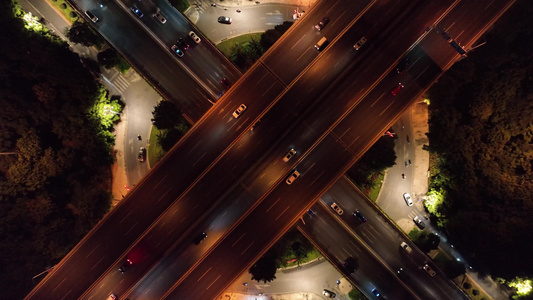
{"points": [[199, 238], [407, 199], [406, 247], [237, 113], [322, 23], [329, 293], [360, 216], [136, 11], [177, 50], [418, 221], [160, 17], [142, 154], [397, 89], [194, 37], [359, 43], [350, 264], [289, 155], [429, 270], [225, 83], [377, 294], [294, 175], [224, 20], [91, 16], [402, 66], [337, 208], [125, 266], [112, 297], [183, 45]]}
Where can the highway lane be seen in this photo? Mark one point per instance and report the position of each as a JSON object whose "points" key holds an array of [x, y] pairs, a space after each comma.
{"points": [[228, 173], [193, 81], [178, 181], [293, 54], [324, 230], [379, 235], [103, 248], [327, 157]]}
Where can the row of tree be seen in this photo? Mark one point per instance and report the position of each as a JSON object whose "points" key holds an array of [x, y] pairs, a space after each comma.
{"points": [[55, 137], [481, 131]]}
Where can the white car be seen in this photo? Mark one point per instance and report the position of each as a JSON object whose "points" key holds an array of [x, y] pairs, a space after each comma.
{"points": [[406, 247], [237, 113], [160, 17], [407, 199], [111, 297], [292, 177], [360, 43], [91, 16], [194, 37], [337, 208]]}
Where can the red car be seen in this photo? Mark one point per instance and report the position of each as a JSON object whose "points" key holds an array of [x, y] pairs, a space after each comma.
{"points": [[225, 82], [397, 89]]}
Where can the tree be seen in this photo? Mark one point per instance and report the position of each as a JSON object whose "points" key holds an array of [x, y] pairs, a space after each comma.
{"points": [[83, 33], [108, 58], [427, 241], [264, 269], [453, 268], [165, 115]]}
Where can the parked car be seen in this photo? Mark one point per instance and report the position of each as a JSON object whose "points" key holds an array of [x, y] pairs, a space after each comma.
{"points": [[329, 293], [224, 20], [418, 221], [194, 37], [337, 208], [322, 23], [407, 199]]}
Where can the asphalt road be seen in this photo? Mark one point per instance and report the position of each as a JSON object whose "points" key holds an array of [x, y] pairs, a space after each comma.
{"points": [[320, 165]]}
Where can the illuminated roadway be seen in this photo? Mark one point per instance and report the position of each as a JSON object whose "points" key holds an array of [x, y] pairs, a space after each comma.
{"points": [[214, 134]]}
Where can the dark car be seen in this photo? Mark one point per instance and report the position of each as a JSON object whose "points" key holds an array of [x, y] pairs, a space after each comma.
{"points": [[198, 239], [402, 66], [350, 264], [125, 266], [397, 89], [359, 216], [376, 292], [225, 82], [177, 50], [418, 221], [182, 44], [322, 23], [136, 11], [91, 16], [224, 20]]}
